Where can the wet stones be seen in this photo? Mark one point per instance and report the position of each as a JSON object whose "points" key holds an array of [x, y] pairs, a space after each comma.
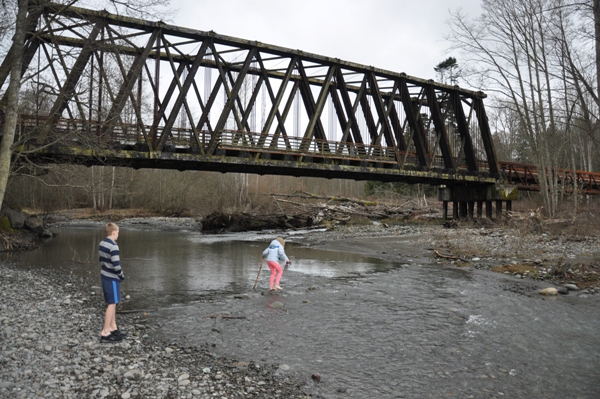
{"points": [[572, 287], [49, 347]]}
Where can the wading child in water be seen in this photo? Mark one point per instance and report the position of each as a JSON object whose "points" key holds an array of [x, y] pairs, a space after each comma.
{"points": [[273, 254], [111, 276]]}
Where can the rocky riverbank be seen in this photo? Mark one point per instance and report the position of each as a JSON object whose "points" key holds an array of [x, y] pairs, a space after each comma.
{"points": [[49, 332], [572, 263]]}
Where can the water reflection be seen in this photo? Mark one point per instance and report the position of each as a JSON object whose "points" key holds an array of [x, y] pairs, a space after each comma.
{"points": [[162, 268]]}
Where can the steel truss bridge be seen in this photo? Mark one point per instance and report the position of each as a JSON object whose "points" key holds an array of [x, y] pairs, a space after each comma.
{"points": [[103, 89]]}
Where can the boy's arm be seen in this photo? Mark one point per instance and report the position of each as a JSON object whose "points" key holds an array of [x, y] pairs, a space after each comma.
{"points": [[116, 262]]}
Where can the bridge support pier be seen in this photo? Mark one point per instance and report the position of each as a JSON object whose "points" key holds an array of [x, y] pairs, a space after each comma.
{"points": [[464, 198]]}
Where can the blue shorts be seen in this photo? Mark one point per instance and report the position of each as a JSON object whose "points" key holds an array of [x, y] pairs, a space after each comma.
{"points": [[112, 290]]}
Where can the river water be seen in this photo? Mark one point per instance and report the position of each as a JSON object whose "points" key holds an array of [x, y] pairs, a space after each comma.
{"points": [[370, 328]]}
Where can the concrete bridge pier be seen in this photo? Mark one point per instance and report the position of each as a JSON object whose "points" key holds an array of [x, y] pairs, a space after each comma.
{"points": [[463, 200]]}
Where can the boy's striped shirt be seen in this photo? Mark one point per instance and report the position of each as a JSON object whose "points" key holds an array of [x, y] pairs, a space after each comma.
{"points": [[109, 259]]}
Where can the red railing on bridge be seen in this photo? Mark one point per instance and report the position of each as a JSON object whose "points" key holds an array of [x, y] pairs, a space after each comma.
{"points": [[526, 177]]}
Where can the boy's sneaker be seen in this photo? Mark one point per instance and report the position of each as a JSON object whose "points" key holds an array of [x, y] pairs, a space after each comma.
{"points": [[118, 332], [110, 338]]}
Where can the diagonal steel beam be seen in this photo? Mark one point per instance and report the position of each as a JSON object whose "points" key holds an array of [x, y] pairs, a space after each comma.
{"points": [[183, 91], [232, 97], [486, 136], [276, 101], [315, 127], [440, 127], [463, 131], [416, 125], [315, 118], [286, 110], [127, 86], [68, 89], [29, 47], [352, 125], [382, 112]]}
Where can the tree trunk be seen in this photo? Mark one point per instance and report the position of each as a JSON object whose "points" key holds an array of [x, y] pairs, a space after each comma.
{"points": [[112, 187], [597, 36], [12, 104]]}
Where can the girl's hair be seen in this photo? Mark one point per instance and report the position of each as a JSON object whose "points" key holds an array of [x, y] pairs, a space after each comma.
{"points": [[281, 241], [110, 227]]}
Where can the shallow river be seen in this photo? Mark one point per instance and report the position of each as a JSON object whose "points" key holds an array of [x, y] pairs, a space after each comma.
{"points": [[369, 328]]}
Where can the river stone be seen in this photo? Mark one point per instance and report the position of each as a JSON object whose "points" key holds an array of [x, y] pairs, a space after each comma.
{"points": [[35, 224], [563, 290], [549, 291], [15, 218], [277, 305], [572, 287]]}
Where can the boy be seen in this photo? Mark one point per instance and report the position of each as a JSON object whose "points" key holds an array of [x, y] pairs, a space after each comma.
{"points": [[111, 276]]}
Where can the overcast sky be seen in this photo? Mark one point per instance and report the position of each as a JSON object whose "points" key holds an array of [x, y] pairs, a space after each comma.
{"points": [[397, 35]]}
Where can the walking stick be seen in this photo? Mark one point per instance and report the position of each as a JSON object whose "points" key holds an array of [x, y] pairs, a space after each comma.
{"points": [[259, 269]]}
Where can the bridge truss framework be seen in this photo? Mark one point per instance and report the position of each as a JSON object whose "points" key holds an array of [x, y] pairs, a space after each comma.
{"points": [[116, 90]]}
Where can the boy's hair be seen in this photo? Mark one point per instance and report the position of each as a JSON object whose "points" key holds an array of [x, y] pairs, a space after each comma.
{"points": [[110, 227], [281, 241]]}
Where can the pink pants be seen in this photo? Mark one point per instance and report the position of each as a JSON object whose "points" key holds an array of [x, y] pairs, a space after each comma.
{"points": [[276, 272]]}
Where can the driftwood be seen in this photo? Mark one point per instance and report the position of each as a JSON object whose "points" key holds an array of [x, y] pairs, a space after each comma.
{"points": [[326, 197], [445, 256], [303, 210], [224, 317], [349, 206]]}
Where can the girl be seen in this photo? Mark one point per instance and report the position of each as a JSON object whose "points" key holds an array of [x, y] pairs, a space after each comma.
{"points": [[273, 254]]}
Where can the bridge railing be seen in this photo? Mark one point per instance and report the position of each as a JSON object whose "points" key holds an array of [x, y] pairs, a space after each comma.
{"points": [[90, 133]]}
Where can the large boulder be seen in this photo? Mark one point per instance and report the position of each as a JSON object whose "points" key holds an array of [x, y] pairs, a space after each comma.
{"points": [[15, 218], [35, 224]]}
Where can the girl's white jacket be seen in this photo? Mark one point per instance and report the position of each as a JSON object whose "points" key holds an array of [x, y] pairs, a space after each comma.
{"points": [[275, 252]]}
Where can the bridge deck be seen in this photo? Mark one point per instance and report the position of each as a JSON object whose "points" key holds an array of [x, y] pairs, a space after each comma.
{"points": [[247, 152]]}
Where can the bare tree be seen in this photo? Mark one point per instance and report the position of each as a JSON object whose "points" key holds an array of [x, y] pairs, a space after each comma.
{"points": [[514, 50], [10, 109]]}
